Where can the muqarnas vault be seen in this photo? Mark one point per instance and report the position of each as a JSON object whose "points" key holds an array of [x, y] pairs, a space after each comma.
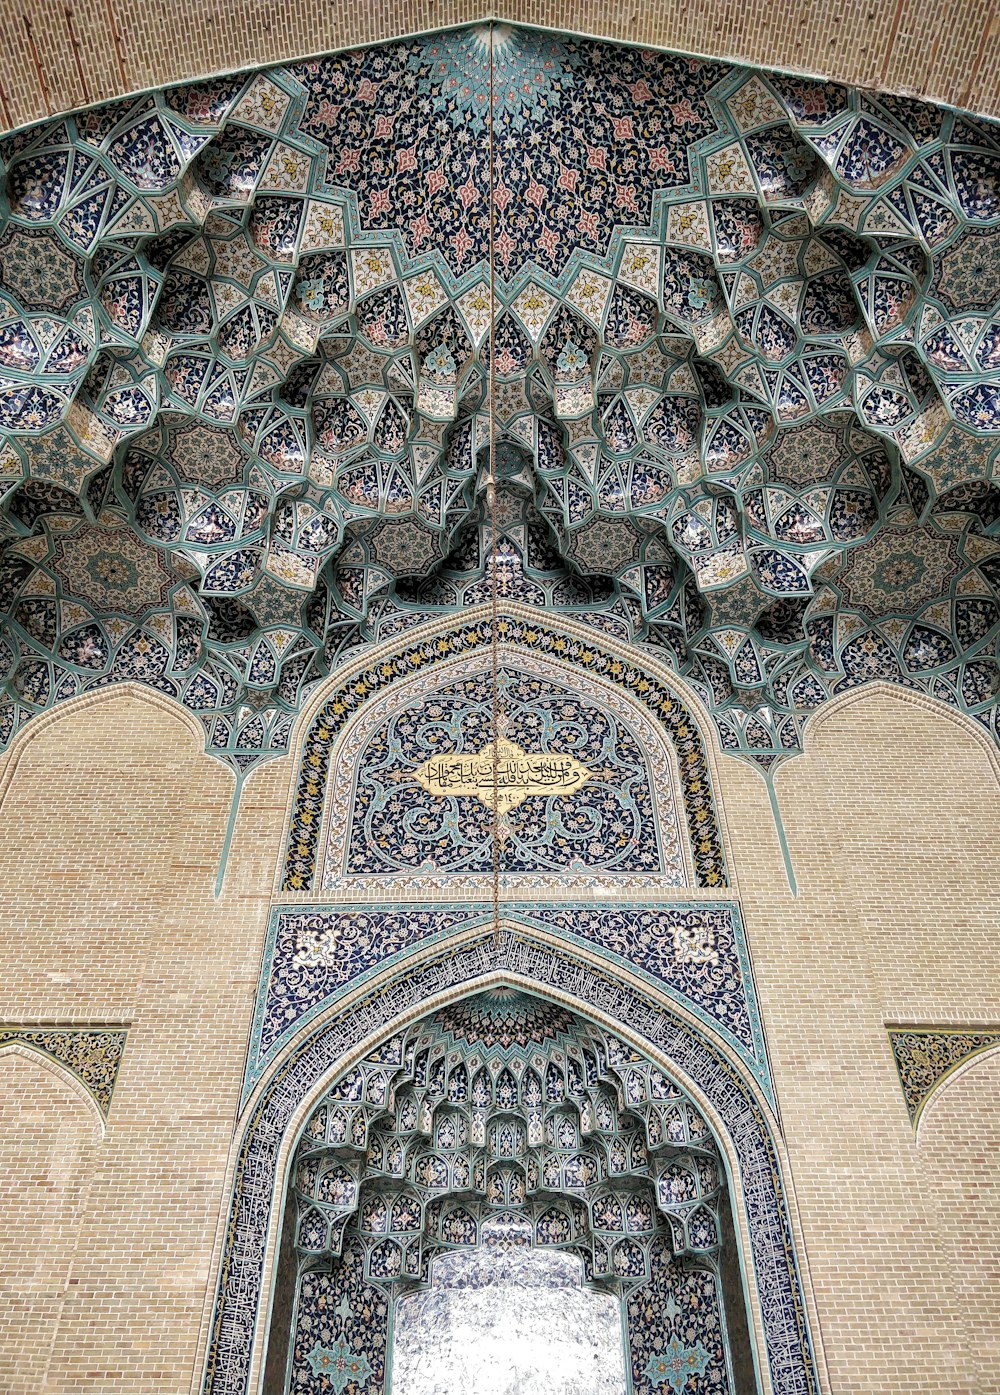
{"points": [[727, 344], [506, 1123], [745, 358]]}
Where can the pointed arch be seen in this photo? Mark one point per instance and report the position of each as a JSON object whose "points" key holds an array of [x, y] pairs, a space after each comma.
{"points": [[66, 1077], [71, 707], [744, 1126], [601, 1163], [90, 1057], [50, 1132], [976, 1057], [830, 711]]}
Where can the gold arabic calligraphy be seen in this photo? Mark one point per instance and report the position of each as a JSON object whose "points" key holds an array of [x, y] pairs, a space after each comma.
{"points": [[502, 770]]}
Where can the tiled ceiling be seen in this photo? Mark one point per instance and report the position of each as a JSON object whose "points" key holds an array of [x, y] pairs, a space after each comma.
{"points": [[746, 379]]}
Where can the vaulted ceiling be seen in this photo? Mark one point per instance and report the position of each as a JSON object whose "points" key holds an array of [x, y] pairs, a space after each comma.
{"points": [[745, 375]]}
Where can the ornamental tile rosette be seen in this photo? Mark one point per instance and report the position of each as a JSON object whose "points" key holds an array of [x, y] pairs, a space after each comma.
{"points": [[745, 345]]}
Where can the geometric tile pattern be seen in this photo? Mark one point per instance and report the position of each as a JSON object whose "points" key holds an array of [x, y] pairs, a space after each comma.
{"points": [[695, 954], [550, 970], [744, 361], [93, 1055], [924, 1056]]}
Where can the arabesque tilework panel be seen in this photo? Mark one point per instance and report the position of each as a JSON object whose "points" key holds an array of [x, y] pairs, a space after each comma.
{"points": [[92, 1055], [694, 952], [925, 1056]]}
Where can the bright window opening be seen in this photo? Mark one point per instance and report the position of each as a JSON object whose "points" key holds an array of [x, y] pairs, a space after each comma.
{"points": [[515, 1321]]}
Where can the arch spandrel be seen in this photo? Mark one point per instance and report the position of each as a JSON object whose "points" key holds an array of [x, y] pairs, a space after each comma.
{"points": [[72, 1086], [694, 953], [86, 1059]]}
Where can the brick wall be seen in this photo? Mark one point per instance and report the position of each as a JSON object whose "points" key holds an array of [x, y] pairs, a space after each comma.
{"points": [[48, 1141], [110, 830], [888, 817], [60, 56], [959, 1148]]}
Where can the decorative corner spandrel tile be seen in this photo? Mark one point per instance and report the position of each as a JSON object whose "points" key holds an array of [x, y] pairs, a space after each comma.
{"points": [[92, 1054], [926, 1056]]}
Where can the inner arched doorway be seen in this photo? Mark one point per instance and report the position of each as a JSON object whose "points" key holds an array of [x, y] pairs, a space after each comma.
{"points": [[506, 1167]]}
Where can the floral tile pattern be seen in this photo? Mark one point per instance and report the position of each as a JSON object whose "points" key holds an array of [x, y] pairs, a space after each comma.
{"points": [[924, 1056], [685, 1349], [694, 953], [517, 638], [341, 1333], [93, 1055], [387, 819], [396, 825], [745, 360]]}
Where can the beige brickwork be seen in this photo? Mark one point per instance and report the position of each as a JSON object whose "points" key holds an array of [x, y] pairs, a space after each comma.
{"points": [[48, 1139], [110, 831], [959, 1147], [888, 817], [60, 56]]}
